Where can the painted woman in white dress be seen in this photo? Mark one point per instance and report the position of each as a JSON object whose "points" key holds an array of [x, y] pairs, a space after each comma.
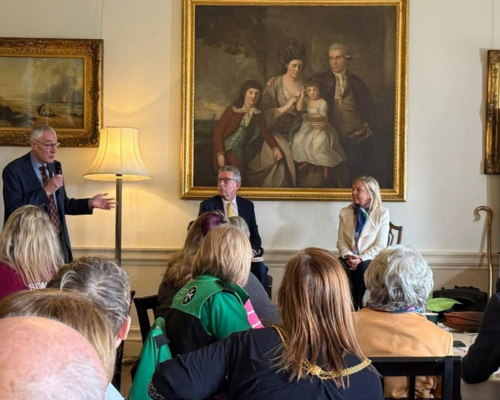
{"points": [[311, 145]]}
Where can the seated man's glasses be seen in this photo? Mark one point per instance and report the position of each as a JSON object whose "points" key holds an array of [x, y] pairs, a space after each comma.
{"points": [[48, 145], [225, 180]]}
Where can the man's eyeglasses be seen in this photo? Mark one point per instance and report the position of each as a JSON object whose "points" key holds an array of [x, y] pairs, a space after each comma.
{"points": [[48, 145], [225, 180]]}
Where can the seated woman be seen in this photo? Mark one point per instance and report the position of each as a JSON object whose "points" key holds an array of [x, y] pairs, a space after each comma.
{"points": [[105, 283], [178, 271], [210, 307], [363, 233], [72, 309], [314, 354], [399, 281], [30, 252]]}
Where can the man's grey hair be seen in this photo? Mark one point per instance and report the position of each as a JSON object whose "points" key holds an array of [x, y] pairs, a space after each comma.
{"points": [[401, 275], [38, 131], [77, 379], [342, 48], [103, 281], [234, 170]]}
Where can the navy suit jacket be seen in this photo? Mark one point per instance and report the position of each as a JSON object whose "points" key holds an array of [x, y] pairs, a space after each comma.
{"points": [[245, 210], [21, 186]]}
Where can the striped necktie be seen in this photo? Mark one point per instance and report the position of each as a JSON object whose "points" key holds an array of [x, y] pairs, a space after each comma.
{"points": [[54, 218]]}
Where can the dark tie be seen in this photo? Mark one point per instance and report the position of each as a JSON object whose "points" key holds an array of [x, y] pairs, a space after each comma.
{"points": [[54, 218]]}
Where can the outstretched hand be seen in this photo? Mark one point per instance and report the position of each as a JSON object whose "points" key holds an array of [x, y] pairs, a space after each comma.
{"points": [[99, 201]]}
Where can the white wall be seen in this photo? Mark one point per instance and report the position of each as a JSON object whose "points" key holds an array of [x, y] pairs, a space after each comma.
{"points": [[142, 87]]}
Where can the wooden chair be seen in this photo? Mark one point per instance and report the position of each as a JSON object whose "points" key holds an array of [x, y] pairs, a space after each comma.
{"points": [[449, 368], [142, 305], [117, 376], [392, 229]]}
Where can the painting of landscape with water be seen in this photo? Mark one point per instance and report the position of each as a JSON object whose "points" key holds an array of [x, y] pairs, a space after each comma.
{"points": [[56, 82]]}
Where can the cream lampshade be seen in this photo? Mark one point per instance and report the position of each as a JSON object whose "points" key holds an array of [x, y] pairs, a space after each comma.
{"points": [[118, 158]]}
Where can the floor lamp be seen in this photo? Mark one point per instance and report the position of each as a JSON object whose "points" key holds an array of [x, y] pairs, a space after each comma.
{"points": [[118, 158]]}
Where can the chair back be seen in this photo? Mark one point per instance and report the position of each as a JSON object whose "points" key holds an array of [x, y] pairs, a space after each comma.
{"points": [[392, 232], [142, 305], [449, 368]]}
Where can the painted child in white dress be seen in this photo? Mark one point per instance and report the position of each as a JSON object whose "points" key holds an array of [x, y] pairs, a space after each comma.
{"points": [[319, 147]]}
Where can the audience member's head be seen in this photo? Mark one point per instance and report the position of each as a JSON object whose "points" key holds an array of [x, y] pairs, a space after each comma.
{"points": [[105, 283], [239, 222], [45, 359], [399, 276], [70, 308], [224, 253], [178, 270], [316, 311], [30, 246]]}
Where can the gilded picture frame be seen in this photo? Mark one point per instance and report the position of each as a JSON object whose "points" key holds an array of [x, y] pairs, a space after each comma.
{"points": [[492, 143], [56, 82], [228, 44]]}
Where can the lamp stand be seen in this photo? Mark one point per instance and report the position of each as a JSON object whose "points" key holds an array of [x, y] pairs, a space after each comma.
{"points": [[118, 219]]}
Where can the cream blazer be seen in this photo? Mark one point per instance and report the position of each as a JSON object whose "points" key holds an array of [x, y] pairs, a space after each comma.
{"points": [[373, 238]]}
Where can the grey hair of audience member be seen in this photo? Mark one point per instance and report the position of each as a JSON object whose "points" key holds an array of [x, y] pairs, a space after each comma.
{"points": [[38, 131], [236, 172], [45, 359], [239, 222], [400, 275], [342, 48], [103, 281]]}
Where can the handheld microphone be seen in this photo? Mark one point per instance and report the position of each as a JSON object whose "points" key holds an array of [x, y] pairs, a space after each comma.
{"points": [[58, 169]]}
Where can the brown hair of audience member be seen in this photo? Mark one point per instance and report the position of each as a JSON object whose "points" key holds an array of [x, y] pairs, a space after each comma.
{"points": [[316, 313], [105, 283], [70, 308], [224, 253], [30, 246], [179, 266]]}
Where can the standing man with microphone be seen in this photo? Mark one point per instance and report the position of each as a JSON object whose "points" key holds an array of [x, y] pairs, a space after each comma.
{"points": [[36, 178]]}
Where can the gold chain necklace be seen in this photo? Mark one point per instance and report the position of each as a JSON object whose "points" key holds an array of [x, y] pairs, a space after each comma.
{"points": [[317, 371]]}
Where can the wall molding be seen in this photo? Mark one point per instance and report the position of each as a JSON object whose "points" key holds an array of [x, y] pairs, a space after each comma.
{"points": [[277, 258]]}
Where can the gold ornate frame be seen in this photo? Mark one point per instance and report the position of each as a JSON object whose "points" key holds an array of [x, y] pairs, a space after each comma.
{"points": [[88, 50], [492, 149], [189, 47]]}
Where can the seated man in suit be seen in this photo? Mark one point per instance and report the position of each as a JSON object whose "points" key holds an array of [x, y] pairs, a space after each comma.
{"points": [[228, 183]]}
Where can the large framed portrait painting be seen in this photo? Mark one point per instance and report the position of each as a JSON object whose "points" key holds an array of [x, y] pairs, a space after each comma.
{"points": [[301, 96]]}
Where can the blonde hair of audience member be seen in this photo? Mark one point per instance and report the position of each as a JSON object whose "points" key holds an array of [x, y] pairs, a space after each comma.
{"points": [[30, 246], [317, 314], [224, 253], [70, 308], [105, 283], [45, 359], [239, 222], [400, 275], [178, 271], [373, 188]]}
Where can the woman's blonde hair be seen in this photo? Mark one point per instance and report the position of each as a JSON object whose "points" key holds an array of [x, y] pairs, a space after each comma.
{"points": [[373, 188], [178, 270], [316, 313], [224, 253], [70, 308], [30, 246]]}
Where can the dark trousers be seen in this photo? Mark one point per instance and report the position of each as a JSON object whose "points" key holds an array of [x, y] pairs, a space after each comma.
{"points": [[357, 280], [259, 269]]}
